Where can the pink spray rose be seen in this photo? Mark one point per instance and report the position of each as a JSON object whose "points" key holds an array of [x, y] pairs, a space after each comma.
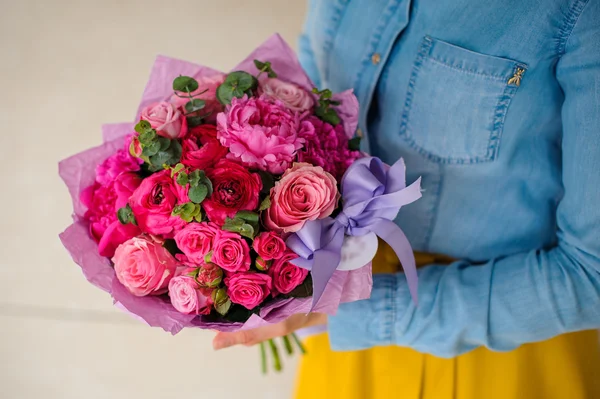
{"points": [[212, 105], [209, 275], [113, 166], [234, 189], [195, 240], [103, 202], [187, 297], [269, 245], [286, 276], [327, 146], [291, 95], [305, 192], [153, 201], [248, 289], [231, 252], [168, 120], [201, 149], [144, 266], [260, 133]]}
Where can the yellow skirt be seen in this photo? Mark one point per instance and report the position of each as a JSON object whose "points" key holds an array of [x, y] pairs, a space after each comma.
{"points": [[565, 367]]}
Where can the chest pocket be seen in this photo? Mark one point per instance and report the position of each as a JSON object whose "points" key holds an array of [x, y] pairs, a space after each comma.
{"points": [[457, 101]]}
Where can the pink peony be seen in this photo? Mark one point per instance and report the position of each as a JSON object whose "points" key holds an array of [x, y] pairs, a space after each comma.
{"points": [[286, 276], [153, 201], [201, 149], [260, 133], [113, 166], [248, 289], [168, 121], [187, 297], [144, 266], [195, 240], [103, 202], [305, 192], [292, 96], [212, 106], [234, 189], [231, 252], [269, 245], [327, 146]]}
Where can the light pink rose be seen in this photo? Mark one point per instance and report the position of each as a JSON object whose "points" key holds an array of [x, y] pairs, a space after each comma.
{"points": [[103, 202], [305, 192], [153, 201], [260, 133], [195, 240], [292, 96], [187, 297], [231, 252], [248, 289], [269, 245], [168, 120], [286, 276], [212, 105], [144, 266]]}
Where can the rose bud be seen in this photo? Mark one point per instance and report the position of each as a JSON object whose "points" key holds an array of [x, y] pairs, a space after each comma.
{"points": [[262, 264], [209, 275], [135, 148]]}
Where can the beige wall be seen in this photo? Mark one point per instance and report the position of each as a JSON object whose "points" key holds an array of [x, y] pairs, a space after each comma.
{"points": [[67, 67]]}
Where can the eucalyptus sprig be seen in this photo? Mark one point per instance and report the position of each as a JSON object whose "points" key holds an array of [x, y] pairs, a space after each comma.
{"points": [[244, 223], [157, 151], [323, 110], [187, 85], [236, 84], [200, 185], [264, 67]]}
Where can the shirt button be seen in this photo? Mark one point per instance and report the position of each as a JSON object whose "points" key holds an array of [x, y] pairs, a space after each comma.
{"points": [[376, 58]]}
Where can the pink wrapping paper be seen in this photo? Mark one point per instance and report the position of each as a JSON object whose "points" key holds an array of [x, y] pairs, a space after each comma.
{"points": [[78, 172]]}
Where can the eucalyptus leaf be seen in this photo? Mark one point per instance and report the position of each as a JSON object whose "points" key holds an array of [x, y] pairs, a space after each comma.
{"points": [[182, 178], [123, 215], [147, 136], [247, 216], [142, 127], [164, 142], [194, 121], [224, 307], [242, 80], [194, 178], [194, 105], [198, 193], [160, 158], [185, 83], [176, 169], [151, 149], [271, 74], [247, 231]]}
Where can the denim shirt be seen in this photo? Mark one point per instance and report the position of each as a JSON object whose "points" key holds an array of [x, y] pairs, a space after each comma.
{"points": [[496, 104]]}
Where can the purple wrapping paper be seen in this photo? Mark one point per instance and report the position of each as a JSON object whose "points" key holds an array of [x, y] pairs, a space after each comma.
{"points": [[78, 172]]}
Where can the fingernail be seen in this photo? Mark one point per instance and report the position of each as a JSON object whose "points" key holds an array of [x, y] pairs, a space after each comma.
{"points": [[221, 344]]}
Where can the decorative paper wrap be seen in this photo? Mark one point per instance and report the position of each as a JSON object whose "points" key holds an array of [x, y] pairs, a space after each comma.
{"points": [[78, 172]]}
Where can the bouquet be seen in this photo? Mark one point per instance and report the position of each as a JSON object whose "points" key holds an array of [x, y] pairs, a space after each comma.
{"points": [[234, 200]]}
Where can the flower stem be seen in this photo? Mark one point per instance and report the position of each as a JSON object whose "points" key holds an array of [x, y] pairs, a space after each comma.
{"points": [[289, 349], [263, 358], [299, 343], [276, 358]]}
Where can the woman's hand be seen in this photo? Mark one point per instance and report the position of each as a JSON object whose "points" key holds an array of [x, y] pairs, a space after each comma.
{"points": [[258, 335]]}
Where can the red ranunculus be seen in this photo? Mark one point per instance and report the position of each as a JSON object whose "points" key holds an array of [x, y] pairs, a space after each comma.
{"points": [[201, 149], [234, 189]]}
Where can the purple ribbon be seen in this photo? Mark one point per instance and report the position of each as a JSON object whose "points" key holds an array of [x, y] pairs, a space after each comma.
{"points": [[372, 195]]}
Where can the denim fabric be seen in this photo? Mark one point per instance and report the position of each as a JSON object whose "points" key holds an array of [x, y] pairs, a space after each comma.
{"points": [[510, 166]]}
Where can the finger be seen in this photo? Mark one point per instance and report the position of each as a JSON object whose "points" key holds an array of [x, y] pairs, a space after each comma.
{"points": [[248, 337]]}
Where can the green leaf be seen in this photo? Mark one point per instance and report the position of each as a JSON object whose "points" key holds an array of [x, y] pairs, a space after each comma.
{"points": [[165, 143], [247, 216], [175, 150], [304, 290], [354, 144], [206, 181], [238, 314], [185, 83], [194, 105], [147, 136], [194, 121], [271, 74], [331, 117], [247, 231], [241, 80], [226, 92], [224, 307], [198, 193], [142, 127], [194, 177], [161, 157], [265, 204], [182, 178], [259, 65], [177, 168], [267, 182], [125, 215], [151, 149]]}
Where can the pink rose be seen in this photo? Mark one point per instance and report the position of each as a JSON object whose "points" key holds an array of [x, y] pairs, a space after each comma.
{"points": [[168, 121], [212, 105], [153, 201], [231, 252], [248, 289], [286, 276], [187, 297], [195, 240], [201, 149], [144, 266], [269, 245], [209, 275], [327, 146], [305, 192], [292, 96], [260, 134], [234, 189], [113, 166], [103, 202]]}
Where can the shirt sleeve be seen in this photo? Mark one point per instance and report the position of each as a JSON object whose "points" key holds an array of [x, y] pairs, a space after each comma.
{"points": [[305, 50], [522, 298]]}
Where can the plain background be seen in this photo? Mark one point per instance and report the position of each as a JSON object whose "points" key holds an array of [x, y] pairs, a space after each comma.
{"points": [[67, 67]]}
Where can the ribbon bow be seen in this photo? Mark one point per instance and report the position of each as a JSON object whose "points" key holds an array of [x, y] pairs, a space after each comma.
{"points": [[372, 194]]}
